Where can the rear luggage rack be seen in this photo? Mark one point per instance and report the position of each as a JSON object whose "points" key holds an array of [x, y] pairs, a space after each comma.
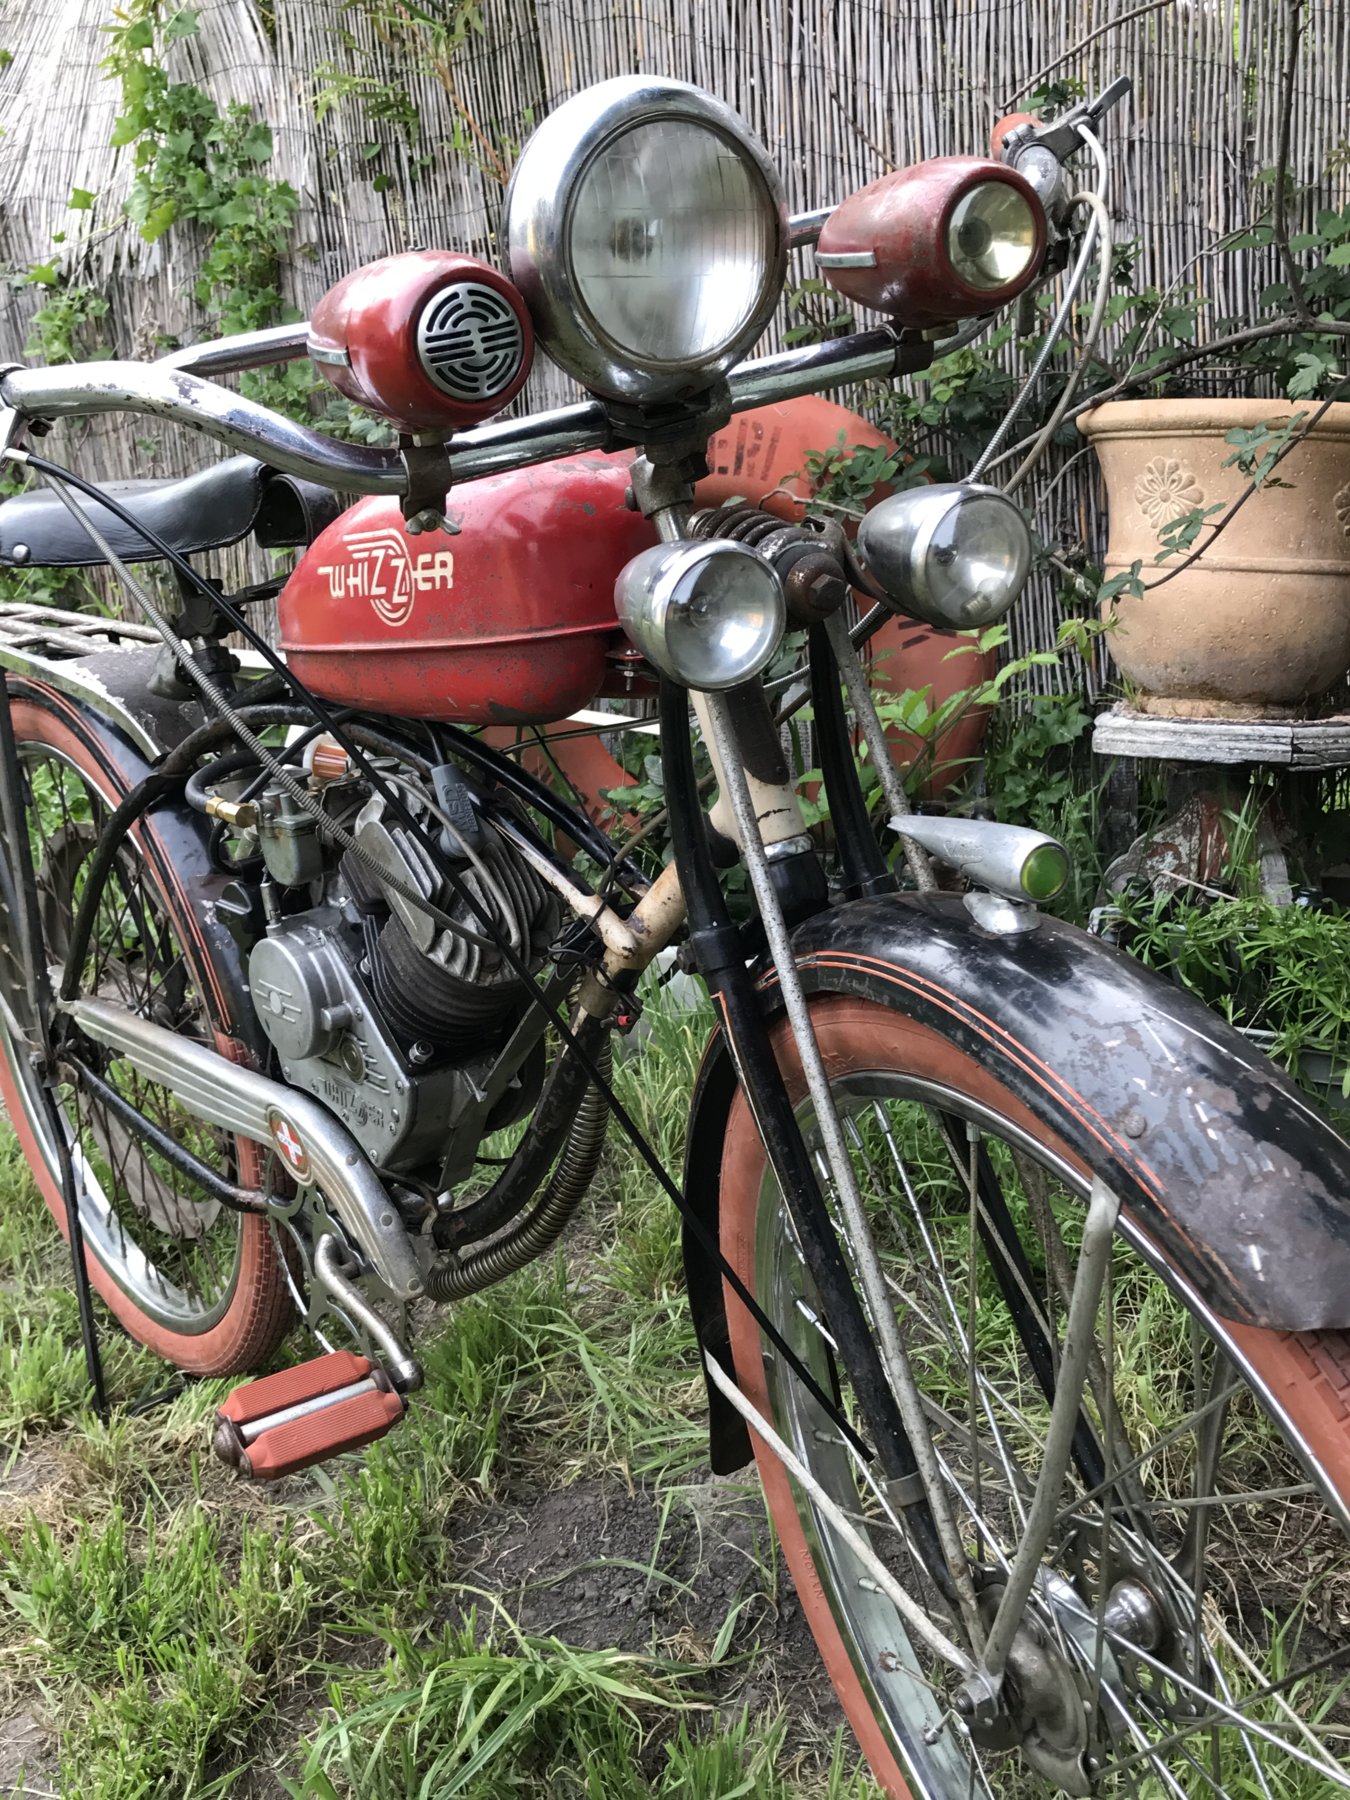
{"points": [[106, 664], [50, 631]]}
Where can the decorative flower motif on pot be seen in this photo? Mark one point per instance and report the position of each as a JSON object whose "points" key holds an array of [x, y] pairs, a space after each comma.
{"points": [[1342, 505], [1166, 490]]}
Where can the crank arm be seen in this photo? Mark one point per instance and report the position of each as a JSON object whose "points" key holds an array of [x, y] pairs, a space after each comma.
{"points": [[314, 1148], [346, 1298]]}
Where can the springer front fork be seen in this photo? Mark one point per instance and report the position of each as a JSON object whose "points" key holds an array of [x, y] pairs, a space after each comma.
{"points": [[758, 810], [853, 1290]]}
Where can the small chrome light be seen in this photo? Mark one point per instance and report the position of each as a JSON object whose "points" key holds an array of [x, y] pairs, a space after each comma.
{"points": [[992, 236], [1046, 174], [946, 239], [707, 614], [955, 555]]}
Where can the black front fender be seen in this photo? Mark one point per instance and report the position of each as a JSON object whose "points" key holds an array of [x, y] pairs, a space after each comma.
{"points": [[1212, 1149]]}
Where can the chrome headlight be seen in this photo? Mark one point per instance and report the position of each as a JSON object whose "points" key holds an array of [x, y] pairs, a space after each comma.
{"points": [[647, 229], [955, 555], [707, 614]]}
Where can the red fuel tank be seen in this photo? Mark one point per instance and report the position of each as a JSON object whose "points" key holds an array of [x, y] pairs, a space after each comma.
{"points": [[505, 621]]}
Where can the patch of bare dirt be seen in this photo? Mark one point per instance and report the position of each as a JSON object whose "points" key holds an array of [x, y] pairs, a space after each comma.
{"points": [[36, 1482], [694, 1576], [27, 1758]]}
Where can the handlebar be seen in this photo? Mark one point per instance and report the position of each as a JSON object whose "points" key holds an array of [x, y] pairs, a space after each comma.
{"points": [[248, 350], [177, 388], [167, 390], [287, 343]]}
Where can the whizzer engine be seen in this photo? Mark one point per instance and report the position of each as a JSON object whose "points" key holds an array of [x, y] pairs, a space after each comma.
{"points": [[387, 1017]]}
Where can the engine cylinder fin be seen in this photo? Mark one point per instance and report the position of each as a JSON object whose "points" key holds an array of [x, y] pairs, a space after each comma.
{"points": [[422, 1000], [441, 988]]}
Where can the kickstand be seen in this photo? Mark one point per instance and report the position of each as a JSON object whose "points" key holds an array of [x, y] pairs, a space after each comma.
{"points": [[93, 1359], [25, 897], [160, 1397]]}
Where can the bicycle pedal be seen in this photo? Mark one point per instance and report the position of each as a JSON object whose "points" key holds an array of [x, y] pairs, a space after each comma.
{"points": [[285, 1422]]}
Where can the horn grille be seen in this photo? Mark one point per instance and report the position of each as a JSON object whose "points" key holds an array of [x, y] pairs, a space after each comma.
{"points": [[470, 341]]}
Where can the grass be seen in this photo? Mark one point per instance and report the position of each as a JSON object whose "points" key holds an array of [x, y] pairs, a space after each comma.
{"points": [[179, 1634], [397, 1625]]}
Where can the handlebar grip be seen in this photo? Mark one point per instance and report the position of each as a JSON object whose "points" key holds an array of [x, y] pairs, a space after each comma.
{"points": [[232, 419]]}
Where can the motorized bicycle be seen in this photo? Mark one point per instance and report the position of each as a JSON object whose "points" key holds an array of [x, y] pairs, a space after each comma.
{"points": [[1024, 1279]]}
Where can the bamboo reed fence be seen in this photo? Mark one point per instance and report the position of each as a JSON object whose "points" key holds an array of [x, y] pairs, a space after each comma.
{"points": [[838, 89]]}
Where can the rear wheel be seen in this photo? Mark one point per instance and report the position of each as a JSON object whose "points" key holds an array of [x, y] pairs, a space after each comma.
{"points": [[201, 1285], [1187, 1633]]}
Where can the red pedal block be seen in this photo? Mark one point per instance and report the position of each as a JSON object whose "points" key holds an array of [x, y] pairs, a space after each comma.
{"points": [[285, 1422]]}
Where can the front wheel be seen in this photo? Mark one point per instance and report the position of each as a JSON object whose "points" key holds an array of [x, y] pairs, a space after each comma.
{"points": [[1187, 1631]]}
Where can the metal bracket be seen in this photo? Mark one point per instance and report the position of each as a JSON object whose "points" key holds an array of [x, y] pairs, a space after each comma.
{"points": [[1099, 1229], [1060, 137], [427, 469]]}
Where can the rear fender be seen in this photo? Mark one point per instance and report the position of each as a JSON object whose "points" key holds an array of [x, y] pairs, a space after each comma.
{"points": [[172, 833], [1212, 1149]]}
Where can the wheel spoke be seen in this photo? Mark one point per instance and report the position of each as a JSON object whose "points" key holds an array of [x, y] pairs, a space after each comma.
{"points": [[172, 1248], [1221, 1712], [972, 1175], [963, 1329], [1024, 1323], [1156, 1448]]}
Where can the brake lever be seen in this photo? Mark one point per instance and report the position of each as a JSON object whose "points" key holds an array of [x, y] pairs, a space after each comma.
{"points": [[1040, 152], [1060, 137]]}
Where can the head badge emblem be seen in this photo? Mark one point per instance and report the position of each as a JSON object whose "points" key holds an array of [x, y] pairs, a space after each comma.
{"points": [[290, 1148]]}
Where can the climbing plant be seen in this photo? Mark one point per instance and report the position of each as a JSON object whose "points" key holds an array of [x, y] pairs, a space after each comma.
{"points": [[428, 38], [196, 165]]}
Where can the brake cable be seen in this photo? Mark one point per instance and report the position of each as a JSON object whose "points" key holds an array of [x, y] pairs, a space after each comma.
{"points": [[55, 475]]}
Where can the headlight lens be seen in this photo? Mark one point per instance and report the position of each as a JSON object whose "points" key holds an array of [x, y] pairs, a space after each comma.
{"points": [[670, 235], [955, 556], [991, 236], [647, 231], [708, 615]]}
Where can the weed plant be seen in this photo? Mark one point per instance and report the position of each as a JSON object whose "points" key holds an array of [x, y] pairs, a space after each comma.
{"points": [[1283, 971], [182, 1635]]}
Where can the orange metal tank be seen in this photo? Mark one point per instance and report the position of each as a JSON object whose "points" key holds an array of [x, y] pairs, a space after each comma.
{"points": [[759, 458]]}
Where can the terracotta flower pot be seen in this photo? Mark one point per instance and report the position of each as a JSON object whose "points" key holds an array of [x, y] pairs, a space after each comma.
{"points": [[1261, 622]]}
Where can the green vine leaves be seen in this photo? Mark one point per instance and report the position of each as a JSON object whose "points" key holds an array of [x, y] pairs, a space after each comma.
{"points": [[197, 165], [427, 38]]}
